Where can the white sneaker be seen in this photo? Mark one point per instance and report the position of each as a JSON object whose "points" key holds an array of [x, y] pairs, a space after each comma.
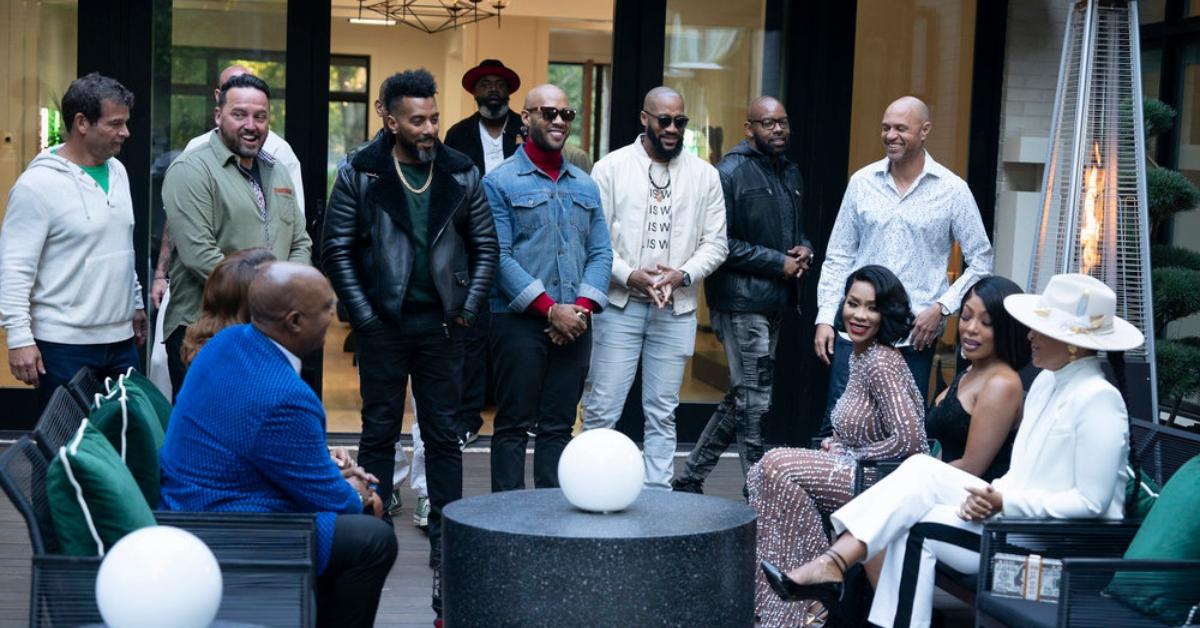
{"points": [[421, 513]]}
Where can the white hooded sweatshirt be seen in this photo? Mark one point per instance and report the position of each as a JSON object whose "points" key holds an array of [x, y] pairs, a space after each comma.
{"points": [[66, 256]]}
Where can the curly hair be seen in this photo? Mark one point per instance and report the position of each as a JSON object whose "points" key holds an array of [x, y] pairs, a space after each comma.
{"points": [[410, 83], [224, 302], [891, 300], [1009, 336]]}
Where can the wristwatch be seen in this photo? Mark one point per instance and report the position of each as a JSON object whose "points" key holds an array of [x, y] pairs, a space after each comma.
{"points": [[687, 279], [945, 310]]}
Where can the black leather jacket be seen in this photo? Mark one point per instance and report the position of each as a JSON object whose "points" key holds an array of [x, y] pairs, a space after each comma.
{"points": [[764, 218], [367, 251], [464, 137]]}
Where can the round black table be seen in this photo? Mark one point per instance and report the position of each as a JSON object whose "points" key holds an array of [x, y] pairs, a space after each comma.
{"points": [[530, 558]]}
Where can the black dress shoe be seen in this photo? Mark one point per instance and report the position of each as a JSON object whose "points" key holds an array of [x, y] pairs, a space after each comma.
{"points": [[827, 593]]}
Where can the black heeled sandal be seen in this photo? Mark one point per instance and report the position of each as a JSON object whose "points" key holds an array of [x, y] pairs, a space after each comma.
{"points": [[827, 593]]}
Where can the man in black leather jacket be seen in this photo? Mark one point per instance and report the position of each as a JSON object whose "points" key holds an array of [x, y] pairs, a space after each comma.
{"points": [[748, 294], [411, 250]]}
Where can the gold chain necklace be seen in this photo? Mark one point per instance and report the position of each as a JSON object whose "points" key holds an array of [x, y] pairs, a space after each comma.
{"points": [[400, 171]]}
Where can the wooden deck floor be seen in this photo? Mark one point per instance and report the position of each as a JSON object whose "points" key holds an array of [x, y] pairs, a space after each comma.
{"points": [[405, 601]]}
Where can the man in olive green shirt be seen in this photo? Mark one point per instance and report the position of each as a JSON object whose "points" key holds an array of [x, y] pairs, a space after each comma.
{"points": [[226, 196]]}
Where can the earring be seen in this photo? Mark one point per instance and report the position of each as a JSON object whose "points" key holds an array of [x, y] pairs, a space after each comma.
{"points": [[1073, 351]]}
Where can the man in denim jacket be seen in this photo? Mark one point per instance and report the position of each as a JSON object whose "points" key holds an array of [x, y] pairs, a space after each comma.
{"points": [[555, 259]]}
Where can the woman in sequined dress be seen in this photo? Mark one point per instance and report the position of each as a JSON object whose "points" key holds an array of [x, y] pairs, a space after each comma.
{"points": [[880, 416]]}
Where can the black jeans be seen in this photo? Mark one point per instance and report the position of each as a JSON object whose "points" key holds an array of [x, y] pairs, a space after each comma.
{"points": [[538, 386], [62, 361], [432, 353], [360, 558], [175, 365], [475, 374]]}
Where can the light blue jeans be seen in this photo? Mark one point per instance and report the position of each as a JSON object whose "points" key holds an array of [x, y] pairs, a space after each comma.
{"points": [[663, 342]]}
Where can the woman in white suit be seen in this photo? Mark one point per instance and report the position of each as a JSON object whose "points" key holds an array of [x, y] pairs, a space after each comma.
{"points": [[1068, 461]]}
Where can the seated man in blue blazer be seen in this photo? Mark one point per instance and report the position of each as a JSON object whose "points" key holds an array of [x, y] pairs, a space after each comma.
{"points": [[248, 435]]}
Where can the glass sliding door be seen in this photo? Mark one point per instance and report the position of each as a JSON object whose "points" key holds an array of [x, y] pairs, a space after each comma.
{"points": [[37, 63]]}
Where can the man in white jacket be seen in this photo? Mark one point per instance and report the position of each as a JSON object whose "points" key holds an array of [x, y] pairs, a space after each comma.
{"points": [[665, 211], [69, 296]]}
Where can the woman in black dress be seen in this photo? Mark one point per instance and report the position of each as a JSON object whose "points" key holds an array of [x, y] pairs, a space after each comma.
{"points": [[976, 418]]}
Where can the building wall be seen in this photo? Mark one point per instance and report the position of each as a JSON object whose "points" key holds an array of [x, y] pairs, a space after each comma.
{"points": [[1032, 54]]}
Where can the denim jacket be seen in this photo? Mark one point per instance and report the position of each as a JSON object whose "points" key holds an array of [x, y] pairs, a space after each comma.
{"points": [[553, 238]]}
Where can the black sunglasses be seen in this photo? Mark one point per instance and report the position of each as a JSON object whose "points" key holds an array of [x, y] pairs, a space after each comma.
{"points": [[665, 120], [550, 113]]}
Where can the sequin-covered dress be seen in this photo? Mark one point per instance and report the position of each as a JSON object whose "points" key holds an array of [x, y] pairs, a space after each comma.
{"points": [[880, 416]]}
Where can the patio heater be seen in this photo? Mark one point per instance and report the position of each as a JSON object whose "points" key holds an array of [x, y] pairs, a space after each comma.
{"points": [[1093, 217]]}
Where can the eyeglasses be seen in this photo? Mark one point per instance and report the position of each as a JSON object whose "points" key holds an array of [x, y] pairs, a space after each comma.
{"points": [[664, 120], [550, 113], [771, 123]]}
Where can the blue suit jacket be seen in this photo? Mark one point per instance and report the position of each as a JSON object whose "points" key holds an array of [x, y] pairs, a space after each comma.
{"points": [[248, 435]]}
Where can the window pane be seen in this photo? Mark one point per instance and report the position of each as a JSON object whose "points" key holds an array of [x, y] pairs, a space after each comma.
{"points": [[714, 60], [347, 129], [1185, 230], [1150, 11], [569, 76], [348, 78]]}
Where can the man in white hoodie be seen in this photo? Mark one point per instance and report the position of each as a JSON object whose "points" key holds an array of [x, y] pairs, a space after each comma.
{"points": [[69, 295]]}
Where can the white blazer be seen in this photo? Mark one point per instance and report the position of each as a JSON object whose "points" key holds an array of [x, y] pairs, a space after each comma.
{"points": [[1069, 457], [698, 241]]}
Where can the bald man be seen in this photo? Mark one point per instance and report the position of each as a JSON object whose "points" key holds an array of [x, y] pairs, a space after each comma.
{"points": [[228, 194], [248, 435], [747, 296], [903, 212], [555, 259], [666, 217]]}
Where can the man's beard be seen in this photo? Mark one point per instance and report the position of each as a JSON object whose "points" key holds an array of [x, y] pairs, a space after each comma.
{"points": [[423, 155], [492, 108], [768, 150], [658, 147], [235, 145]]}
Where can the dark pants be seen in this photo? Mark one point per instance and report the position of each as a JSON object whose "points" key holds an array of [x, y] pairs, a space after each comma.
{"points": [[474, 374], [920, 363], [538, 386], [749, 340], [420, 347], [63, 361], [360, 558], [175, 366]]}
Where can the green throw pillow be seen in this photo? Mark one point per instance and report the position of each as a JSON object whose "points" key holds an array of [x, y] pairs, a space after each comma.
{"points": [[131, 425], [1141, 491], [93, 498], [1170, 532], [143, 387]]}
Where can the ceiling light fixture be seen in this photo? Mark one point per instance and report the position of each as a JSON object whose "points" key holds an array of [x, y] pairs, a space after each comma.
{"points": [[431, 16]]}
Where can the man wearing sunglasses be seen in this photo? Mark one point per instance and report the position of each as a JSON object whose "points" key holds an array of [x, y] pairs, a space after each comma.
{"points": [[747, 296], [555, 259], [666, 216]]}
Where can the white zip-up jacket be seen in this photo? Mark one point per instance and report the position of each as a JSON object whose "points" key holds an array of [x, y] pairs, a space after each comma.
{"points": [[698, 244], [66, 256]]}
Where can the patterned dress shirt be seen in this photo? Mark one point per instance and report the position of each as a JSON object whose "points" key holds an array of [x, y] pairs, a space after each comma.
{"points": [[911, 234]]}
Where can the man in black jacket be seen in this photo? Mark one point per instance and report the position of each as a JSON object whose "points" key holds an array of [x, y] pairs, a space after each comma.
{"points": [[488, 137], [749, 293], [411, 250]]}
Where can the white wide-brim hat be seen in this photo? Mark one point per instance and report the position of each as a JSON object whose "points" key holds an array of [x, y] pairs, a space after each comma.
{"points": [[1078, 310]]}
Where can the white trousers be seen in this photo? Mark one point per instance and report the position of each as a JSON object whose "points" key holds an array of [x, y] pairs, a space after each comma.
{"points": [[662, 342], [417, 468], [922, 490]]}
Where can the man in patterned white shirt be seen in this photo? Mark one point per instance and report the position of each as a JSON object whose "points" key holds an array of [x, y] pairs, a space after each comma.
{"points": [[903, 212]]}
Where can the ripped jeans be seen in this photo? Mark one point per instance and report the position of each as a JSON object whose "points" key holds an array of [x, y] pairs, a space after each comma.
{"points": [[749, 340]]}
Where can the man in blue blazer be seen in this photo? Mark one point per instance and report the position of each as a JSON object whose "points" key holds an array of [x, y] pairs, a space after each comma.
{"points": [[248, 435]]}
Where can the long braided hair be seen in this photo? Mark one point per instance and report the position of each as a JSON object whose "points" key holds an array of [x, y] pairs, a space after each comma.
{"points": [[1116, 361]]}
